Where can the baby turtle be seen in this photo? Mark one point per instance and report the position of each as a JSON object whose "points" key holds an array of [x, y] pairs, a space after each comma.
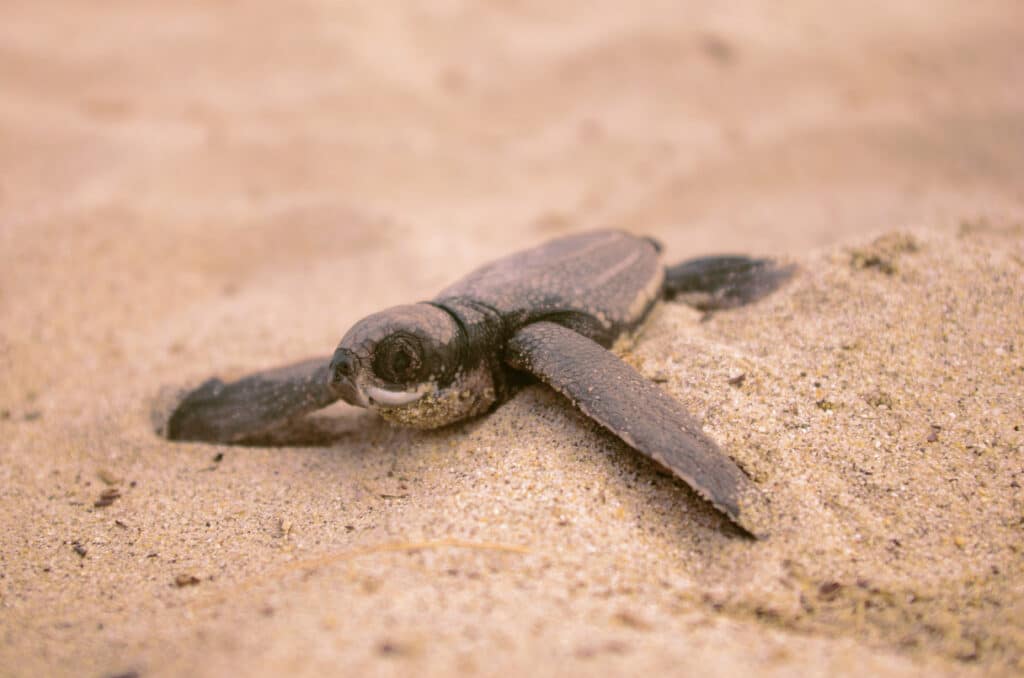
{"points": [[551, 312]]}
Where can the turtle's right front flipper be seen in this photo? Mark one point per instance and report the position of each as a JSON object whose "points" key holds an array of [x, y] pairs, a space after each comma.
{"points": [[646, 418], [216, 412]]}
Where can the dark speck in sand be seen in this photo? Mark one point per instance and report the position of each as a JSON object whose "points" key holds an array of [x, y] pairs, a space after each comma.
{"points": [[183, 580], [107, 497]]}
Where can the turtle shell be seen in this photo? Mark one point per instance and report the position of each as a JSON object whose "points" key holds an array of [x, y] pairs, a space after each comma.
{"points": [[601, 284]]}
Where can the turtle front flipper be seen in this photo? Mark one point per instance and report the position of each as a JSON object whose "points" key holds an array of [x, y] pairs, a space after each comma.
{"points": [[216, 412], [616, 396], [716, 283]]}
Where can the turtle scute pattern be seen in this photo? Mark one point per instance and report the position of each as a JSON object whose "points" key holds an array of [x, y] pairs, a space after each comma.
{"points": [[609, 276]]}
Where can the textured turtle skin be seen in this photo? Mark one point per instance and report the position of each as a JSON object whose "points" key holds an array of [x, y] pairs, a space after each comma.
{"points": [[601, 284], [219, 412], [645, 417]]}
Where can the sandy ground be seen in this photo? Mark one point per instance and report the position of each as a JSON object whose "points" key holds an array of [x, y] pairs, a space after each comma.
{"points": [[198, 188]]}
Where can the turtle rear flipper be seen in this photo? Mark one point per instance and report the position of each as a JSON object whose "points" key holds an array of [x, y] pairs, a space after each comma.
{"points": [[616, 396], [216, 412], [722, 282]]}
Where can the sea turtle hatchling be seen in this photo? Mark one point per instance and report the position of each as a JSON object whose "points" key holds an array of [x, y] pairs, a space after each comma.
{"points": [[553, 312]]}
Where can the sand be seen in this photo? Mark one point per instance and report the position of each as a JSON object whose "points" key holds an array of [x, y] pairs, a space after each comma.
{"points": [[188, 190]]}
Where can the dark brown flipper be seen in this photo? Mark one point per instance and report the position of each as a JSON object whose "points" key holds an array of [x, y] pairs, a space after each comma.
{"points": [[616, 396], [216, 412], [718, 283]]}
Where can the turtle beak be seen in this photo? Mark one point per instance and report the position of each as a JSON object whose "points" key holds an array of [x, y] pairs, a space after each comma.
{"points": [[341, 372]]}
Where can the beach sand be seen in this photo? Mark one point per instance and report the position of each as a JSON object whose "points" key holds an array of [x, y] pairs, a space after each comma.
{"points": [[188, 190]]}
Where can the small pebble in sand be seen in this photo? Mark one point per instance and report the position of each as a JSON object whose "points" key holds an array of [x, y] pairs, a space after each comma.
{"points": [[183, 580], [829, 590], [107, 497]]}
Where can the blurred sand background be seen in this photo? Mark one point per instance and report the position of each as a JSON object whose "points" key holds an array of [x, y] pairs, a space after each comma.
{"points": [[193, 188]]}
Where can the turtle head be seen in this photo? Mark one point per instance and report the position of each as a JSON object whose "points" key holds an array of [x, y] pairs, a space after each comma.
{"points": [[409, 364]]}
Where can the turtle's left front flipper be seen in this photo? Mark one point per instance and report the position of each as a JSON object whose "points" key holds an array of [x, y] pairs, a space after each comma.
{"points": [[216, 412], [616, 396]]}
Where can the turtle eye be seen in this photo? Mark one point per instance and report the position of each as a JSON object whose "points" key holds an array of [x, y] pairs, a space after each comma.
{"points": [[398, 359]]}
